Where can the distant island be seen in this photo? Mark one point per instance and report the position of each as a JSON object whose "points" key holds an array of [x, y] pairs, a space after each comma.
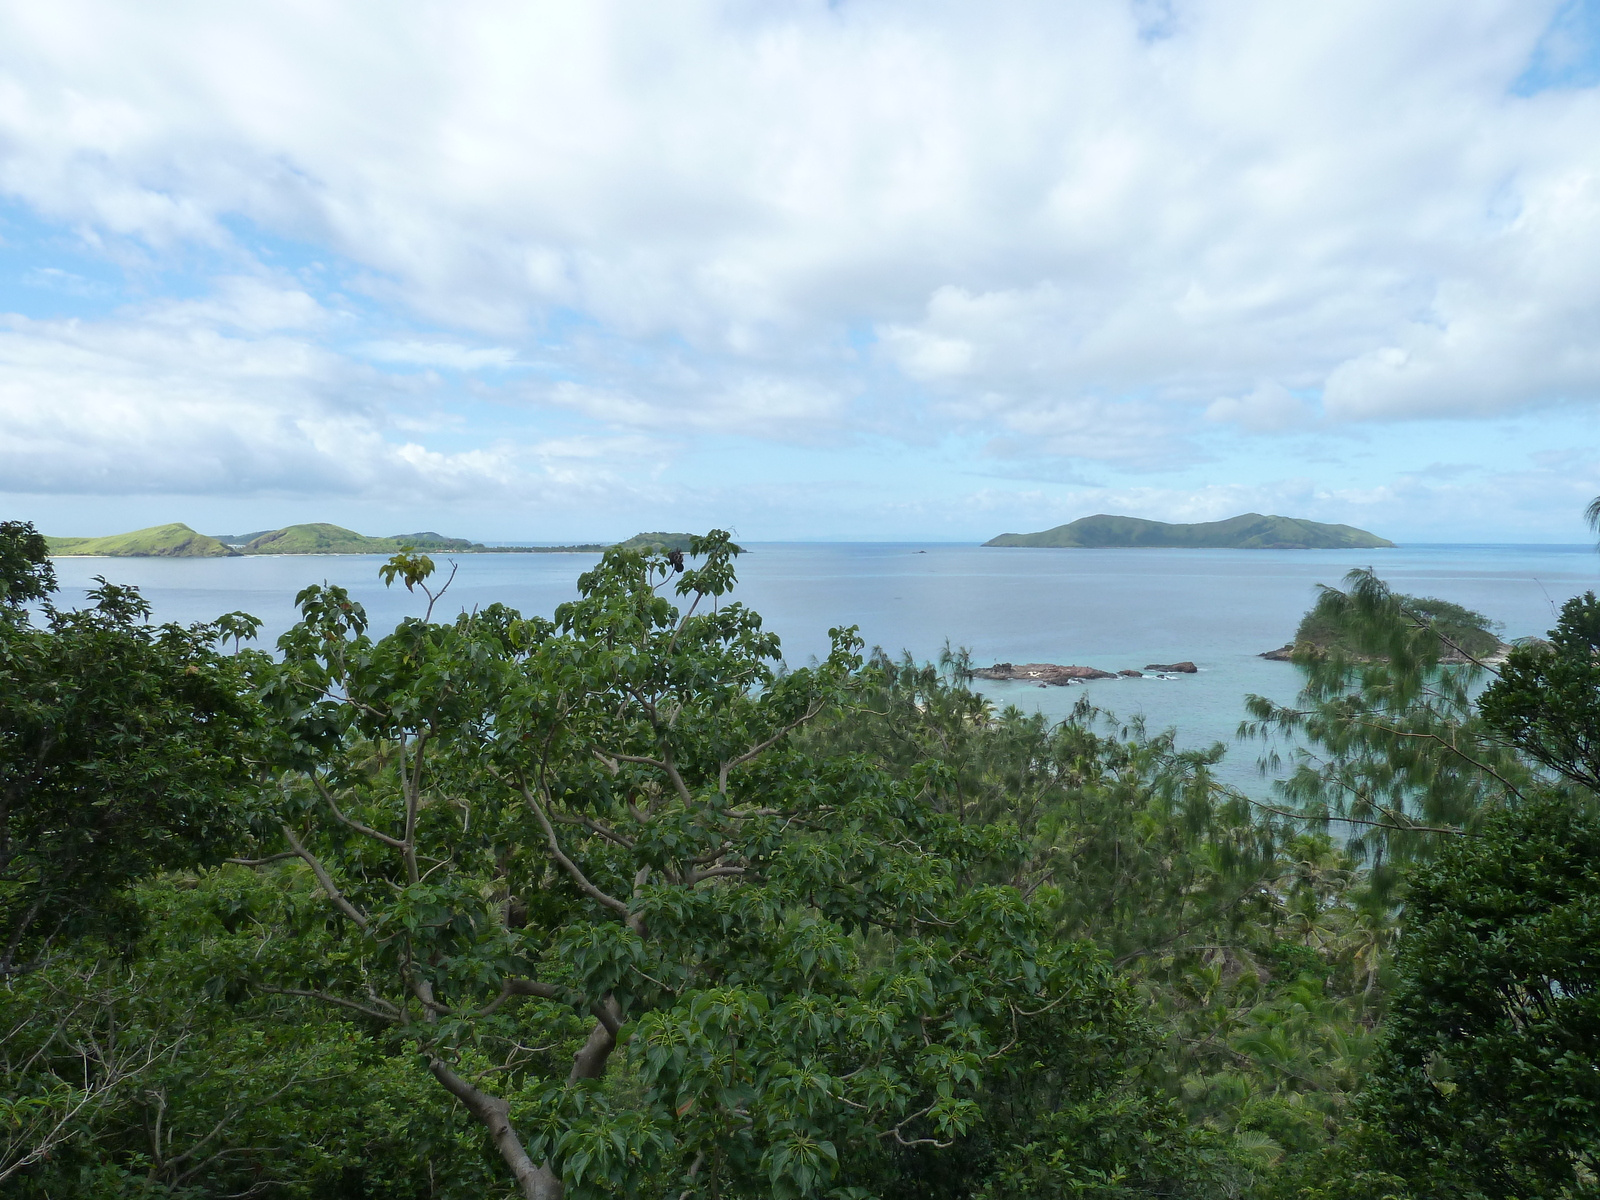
{"points": [[179, 541], [1249, 531]]}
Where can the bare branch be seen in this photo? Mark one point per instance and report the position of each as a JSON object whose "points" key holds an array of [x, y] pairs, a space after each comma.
{"points": [[761, 747], [602, 755], [895, 1131], [594, 826], [1452, 747], [695, 877], [326, 880], [413, 801], [396, 843], [570, 867], [520, 987], [1406, 828], [392, 1016]]}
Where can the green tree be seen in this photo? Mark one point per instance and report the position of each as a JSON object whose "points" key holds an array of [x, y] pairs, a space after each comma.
{"points": [[585, 870], [125, 748], [26, 573], [1387, 738], [1546, 701], [141, 1073], [1488, 1085], [1258, 949]]}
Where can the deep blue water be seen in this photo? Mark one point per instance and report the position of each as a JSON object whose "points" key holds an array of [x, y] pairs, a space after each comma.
{"points": [[1101, 608]]}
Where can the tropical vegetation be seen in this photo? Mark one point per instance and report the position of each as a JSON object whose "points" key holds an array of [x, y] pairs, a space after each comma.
{"points": [[613, 903]]}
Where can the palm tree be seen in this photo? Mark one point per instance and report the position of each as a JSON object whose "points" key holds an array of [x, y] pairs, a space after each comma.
{"points": [[1592, 514]]}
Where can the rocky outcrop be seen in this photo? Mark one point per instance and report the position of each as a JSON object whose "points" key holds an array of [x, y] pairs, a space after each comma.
{"points": [[1048, 673], [1182, 668]]}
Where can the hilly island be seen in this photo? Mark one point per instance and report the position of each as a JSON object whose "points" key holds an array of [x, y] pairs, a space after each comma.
{"points": [[1248, 531], [177, 540]]}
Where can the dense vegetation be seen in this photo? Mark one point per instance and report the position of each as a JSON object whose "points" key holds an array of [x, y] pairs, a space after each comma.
{"points": [[1463, 634], [1248, 531], [613, 905]]}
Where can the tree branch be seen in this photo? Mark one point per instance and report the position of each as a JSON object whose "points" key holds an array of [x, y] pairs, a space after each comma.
{"points": [[396, 843], [326, 880], [570, 867], [761, 747], [392, 1017], [520, 987]]}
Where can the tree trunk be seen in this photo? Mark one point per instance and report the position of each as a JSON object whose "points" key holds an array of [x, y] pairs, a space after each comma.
{"points": [[534, 1181], [591, 1061]]}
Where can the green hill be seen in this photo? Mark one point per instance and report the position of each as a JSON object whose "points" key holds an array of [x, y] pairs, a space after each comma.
{"points": [[159, 541], [1250, 531], [179, 541], [322, 538], [657, 541]]}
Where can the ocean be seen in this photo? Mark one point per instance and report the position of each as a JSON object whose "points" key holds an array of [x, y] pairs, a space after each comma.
{"points": [[1111, 609]]}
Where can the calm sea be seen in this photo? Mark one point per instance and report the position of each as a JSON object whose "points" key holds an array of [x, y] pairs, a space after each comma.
{"points": [[1110, 609]]}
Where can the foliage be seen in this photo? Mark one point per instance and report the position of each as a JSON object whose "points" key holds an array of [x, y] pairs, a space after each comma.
{"points": [[142, 1076], [538, 840], [1337, 620], [1387, 739], [1258, 949], [1546, 701], [25, 571], [615, 904], [1489, 1083], [124, 748], [1485, 1086]]}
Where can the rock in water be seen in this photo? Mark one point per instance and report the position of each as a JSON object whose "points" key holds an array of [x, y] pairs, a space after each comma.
{"points": [[1183, 668], [1132, 674], [1040, 672]]}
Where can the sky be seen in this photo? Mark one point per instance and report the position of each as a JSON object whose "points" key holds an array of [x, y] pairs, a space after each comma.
{"points": [[862, 270]]}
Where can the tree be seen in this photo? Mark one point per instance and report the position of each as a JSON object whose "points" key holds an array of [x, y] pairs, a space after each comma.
{"points": [[1488, 1085], [26, 573], [1257, 947], [142, 1074], [598, 837], [1388, 740], [125, 748], [1546, 701]]}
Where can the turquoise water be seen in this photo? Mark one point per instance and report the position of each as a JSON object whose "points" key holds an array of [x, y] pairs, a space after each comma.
{"points": [[1101, 608]]}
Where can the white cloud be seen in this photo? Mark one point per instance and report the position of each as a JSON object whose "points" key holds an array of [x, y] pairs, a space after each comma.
{"points": [[1268, 407], [245, 305], [440, 354], [1084, 230], [1258, 189], [172, 400]]}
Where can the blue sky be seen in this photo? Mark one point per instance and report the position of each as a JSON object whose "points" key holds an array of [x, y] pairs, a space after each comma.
{"points": [[859, 270]]}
